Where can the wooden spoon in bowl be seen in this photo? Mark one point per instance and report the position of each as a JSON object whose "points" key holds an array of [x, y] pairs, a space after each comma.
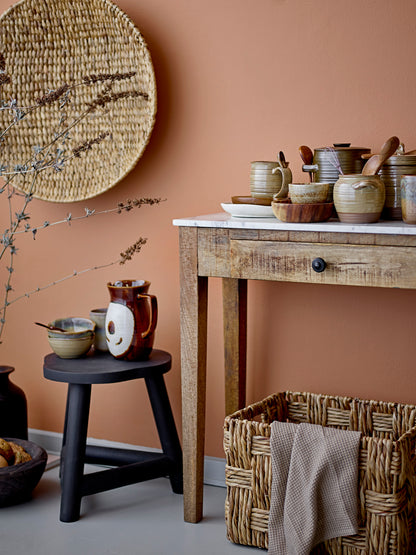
{"points": [[373, 165]]}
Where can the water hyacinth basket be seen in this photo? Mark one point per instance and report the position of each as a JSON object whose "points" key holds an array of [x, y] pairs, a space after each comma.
{"points": [[387, 475]]}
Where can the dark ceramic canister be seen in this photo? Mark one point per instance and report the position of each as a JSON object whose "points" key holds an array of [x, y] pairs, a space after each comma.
{"points": [[131, 319], [13, 407]]}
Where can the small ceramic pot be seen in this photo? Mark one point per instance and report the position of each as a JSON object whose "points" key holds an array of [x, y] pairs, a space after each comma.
{"points": [[359, 198], [408, 198]]}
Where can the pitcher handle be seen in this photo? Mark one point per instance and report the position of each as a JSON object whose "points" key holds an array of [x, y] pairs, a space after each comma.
{"points": [[153, 316]]}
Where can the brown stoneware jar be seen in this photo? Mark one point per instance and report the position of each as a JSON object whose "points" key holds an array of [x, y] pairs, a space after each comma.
{"points": [[359, 198]]}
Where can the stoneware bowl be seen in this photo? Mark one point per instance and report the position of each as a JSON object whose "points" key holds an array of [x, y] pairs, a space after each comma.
{"points": [[308, 193], [19, 480], [75, 340]]}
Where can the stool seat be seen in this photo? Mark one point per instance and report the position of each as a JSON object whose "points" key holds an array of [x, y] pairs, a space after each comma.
{"points": [[132, 465], [100, 367]]}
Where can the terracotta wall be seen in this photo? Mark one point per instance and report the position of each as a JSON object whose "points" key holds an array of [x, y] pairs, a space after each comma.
{"points": [[238, 80]]}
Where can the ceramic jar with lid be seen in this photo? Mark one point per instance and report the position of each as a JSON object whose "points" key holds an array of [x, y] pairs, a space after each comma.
{"points": [[323, 168], [359, 198]]}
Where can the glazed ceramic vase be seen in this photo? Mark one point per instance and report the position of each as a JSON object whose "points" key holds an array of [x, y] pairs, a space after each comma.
{"points": [[359, 198], [131, 320], [13, 407]]}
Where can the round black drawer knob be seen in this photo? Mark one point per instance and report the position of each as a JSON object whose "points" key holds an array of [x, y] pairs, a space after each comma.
{"points": [[318, 265]]}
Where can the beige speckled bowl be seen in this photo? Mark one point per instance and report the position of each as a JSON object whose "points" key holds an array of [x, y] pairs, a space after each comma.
{"points": [[308, 193], [75, 341]]}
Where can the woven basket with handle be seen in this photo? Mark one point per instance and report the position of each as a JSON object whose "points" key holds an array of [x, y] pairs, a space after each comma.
{"points": [[386, 469]]}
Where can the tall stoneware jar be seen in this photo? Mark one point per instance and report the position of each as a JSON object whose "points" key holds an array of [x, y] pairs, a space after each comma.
{"points": [[359, 198], [13, 407]]}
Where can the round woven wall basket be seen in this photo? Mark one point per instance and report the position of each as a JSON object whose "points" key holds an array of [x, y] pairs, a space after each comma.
{"points": [[49, 43]]}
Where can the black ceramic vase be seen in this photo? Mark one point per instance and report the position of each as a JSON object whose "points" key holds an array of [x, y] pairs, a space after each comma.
{"points": [[13, 407]]}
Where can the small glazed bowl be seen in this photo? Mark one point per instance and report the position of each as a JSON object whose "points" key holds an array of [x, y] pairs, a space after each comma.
{"points": [[19, 480], [75, 340], [308, 193]]}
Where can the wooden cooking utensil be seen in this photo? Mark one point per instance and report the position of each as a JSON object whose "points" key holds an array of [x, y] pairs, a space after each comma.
{"points": [[282, 160], [373, 165], [307, 156]]}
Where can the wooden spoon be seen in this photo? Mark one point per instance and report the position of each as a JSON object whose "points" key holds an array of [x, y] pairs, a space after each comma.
{"points": [[54, 328], [282, 160], [373, 165], [307, 156]]}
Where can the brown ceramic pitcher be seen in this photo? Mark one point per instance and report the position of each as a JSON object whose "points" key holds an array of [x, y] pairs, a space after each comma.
{"points": [[131, 319]]}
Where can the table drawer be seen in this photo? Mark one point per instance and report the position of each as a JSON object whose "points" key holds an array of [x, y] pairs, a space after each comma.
{"points": [[365, 265]]}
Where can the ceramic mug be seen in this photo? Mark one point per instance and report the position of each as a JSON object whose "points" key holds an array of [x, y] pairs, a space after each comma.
{"points": [[408, 198], [131, 319], [98, 316], [269, 179]]}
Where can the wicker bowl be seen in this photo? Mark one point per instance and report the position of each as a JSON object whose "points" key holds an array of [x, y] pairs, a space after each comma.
{"points": [[18, 481]]}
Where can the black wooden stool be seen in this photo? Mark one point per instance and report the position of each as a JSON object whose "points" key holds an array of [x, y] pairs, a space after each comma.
{"points": [[132, 466]]}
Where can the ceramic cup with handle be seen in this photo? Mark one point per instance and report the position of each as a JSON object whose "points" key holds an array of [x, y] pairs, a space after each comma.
{"points": [[269, 179]]}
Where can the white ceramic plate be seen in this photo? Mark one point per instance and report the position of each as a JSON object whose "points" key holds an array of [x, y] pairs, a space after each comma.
{"points": [[248, 210]]}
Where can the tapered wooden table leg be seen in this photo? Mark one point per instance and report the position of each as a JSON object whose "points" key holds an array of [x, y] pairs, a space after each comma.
{"points": [[193, 316], [235, 342]]}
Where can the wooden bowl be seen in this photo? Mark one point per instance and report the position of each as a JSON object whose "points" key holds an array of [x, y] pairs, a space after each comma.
{"points": [[302, 213], [19, 480]]}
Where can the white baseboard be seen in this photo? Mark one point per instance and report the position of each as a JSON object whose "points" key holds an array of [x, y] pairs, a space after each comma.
{"points": [[214, 468]]}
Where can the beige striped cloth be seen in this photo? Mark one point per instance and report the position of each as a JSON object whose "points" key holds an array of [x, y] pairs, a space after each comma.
{"points": [[314, 493]]}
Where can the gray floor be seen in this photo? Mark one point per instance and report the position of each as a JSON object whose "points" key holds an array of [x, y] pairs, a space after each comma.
{"points": [[143, 519]]}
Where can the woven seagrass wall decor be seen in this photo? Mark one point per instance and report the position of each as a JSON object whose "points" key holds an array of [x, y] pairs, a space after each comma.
{"points": [[48, 43]]}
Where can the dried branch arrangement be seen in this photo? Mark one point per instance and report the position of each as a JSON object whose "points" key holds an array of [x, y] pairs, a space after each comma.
{"points": [[53, 156]]}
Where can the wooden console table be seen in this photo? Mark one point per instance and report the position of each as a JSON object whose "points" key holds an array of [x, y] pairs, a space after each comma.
{"points": [[218, 245]]}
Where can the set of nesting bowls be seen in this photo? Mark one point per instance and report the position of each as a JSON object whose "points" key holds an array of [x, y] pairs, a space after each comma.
{"points": [[76, 338]]}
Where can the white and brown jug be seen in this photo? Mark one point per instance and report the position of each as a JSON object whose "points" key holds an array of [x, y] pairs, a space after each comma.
{"points": [[131, 320]]}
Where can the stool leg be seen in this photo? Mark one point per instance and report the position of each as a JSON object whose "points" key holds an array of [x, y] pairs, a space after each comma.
{"points": [[76, 426], [166, 428], [61, 464]]}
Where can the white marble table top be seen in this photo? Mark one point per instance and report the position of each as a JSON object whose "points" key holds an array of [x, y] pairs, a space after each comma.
{"points": [[224, 220]]}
